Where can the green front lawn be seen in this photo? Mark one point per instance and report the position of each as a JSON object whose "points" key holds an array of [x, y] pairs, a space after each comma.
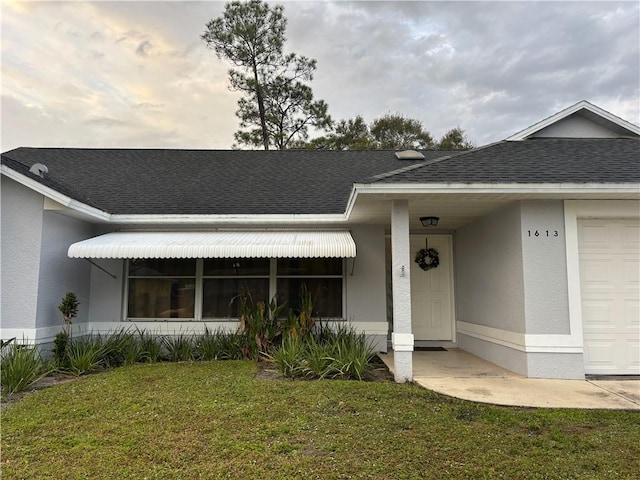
{"points": [[216, 420]]}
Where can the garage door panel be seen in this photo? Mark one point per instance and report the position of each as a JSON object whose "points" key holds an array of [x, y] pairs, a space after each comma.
{"points": [[598, 274], [631, 311], [594, 237], [609, 251], [631, 237], [596, 313], [631, 273], [599, 354]]}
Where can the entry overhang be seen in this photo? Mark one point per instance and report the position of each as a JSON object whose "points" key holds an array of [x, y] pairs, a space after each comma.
{"points": [[218, 244]]}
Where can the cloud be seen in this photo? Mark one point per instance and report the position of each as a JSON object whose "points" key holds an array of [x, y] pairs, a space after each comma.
{"points": [[143, 48], [137, 74]]}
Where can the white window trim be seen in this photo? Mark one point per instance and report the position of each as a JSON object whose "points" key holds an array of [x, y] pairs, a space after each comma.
{"points": [[199, 295]]}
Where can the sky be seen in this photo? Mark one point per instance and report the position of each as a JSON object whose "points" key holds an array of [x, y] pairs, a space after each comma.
{"points": [[137, 75]]}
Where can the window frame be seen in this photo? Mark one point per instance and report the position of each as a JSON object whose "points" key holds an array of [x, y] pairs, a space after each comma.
{"points": [[199, 291]]}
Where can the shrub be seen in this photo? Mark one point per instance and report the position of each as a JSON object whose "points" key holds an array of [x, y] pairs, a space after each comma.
{"points": [[232, 346], [207, 345], [20, 366], [300, 323], [119, 347], [87, 354], [290, 358], [260, 325], [351, 355], [319, 357], [60, 354], [151, 346], [69, 309], [179, 347], [337, 352]]}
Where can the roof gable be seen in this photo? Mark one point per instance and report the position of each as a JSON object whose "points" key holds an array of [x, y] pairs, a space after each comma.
{"points": [[582, 120]]}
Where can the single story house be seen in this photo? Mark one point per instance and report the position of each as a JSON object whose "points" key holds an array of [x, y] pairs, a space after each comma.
{"points": [[537, 236]]}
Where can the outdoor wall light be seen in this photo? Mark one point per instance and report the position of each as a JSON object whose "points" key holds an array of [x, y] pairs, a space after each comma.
{"points": [[429, 221]]}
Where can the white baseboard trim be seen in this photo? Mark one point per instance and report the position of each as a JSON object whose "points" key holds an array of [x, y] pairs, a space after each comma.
{"points": [[528, 343], [30, 336]]}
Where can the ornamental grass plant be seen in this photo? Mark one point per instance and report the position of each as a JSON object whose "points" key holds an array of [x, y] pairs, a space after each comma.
{"points": [[330, 352], [20, 366]]}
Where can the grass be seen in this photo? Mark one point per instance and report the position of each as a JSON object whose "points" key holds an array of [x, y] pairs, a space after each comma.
{"points": [[217, 420]]}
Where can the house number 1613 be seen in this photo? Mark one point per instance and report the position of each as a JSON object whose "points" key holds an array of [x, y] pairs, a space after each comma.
{"points": [[542, 233]]}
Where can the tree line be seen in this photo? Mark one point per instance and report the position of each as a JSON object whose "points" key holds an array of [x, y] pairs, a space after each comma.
{"points": [[277, 107]]}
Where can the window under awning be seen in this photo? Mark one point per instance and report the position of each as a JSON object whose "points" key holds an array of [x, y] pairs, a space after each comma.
{"points": [[219, 244]]}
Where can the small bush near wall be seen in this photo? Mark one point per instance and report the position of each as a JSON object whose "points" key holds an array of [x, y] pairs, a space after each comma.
{"points": [[20, 366], [337, 352]]}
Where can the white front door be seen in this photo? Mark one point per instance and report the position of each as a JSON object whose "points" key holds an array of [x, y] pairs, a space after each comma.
{"points": [[609, 251], [432, 291]]}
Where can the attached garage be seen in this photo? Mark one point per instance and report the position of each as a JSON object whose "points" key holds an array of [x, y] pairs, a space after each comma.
{"points": [[609, 252]]}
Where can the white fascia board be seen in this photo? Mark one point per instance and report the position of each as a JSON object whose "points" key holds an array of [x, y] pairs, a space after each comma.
{"points": [[56, 196], [465, 188], [293, 219], [527, 132], [515, 188]]}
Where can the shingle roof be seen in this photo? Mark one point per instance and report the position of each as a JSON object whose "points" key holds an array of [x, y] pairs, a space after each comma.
{"points": [[133, 181], [548, 160]]}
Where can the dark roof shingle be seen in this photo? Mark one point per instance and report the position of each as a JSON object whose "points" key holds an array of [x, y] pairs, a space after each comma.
{"points": [[135, 181]]}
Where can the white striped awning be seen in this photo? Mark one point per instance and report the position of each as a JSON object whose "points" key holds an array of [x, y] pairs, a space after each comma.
{"points": [[269, 244]]}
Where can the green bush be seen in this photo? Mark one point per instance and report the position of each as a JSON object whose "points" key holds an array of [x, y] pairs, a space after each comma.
{"points": [[232, 346], [87, 354], [331, 352], [351, 356], [60, 354], [260, 324], [290, 358], [20, 366], [151, 346], [319, 356], [180, 348]]}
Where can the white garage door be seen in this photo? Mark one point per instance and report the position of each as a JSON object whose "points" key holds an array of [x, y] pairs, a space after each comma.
{"points": [[610, 287]]}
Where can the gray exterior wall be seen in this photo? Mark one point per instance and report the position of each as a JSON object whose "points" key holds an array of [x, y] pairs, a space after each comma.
{"points": [[106, 301], [60, 274], [489, 277], [544, 258], [514, 281], [366, 285], [21, 226]]}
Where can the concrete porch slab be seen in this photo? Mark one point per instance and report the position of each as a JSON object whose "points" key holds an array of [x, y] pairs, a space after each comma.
{"points": [[459, 374]]}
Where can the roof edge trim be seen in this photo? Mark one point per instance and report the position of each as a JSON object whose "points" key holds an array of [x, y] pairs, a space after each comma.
{"points": [[231, 219], [452, 188], [55, 195]]}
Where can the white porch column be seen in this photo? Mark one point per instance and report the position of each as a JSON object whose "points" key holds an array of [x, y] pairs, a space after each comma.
{"points": [[401, 338]]}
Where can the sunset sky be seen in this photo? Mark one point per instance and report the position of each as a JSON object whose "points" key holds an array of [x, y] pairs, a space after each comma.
{"points": [[137, 74]]}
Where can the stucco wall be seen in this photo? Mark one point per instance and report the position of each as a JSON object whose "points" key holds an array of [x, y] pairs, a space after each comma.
{"points": [[21, 225], [366, 284], [60, 274], [545, 267], [489, 278], [106, 291]]}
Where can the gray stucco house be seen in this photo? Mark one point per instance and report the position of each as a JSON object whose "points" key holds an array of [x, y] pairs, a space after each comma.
{"points": [[538, 240]]}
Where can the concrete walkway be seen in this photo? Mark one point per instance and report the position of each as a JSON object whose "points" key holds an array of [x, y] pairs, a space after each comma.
{"points": [[459, 374]]}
